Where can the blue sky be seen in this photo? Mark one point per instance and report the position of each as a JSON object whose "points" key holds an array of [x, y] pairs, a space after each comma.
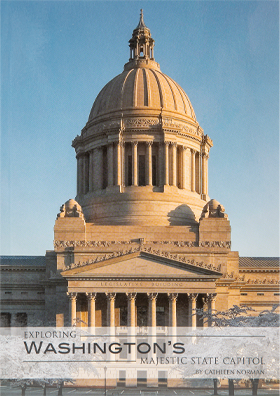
{"points": [[57, 55]]}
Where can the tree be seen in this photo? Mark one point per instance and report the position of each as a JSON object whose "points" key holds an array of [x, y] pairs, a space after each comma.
{"points": [[239, 317]]}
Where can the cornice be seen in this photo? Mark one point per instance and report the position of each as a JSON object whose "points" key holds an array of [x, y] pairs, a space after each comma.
{"points": [[142, 279], [22, 268], [179, 244], [20, 302], [258, 270]]}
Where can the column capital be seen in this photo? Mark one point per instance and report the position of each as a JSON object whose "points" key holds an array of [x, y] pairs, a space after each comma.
{"points": [[91, 296], [193, 296], [166, 143], [72, 295], [193, 151], [184, 148], [172, 296], [205, 300], [211, 296], [174, 144], [149, 143], [152, 296], [134, 143], [131, 296], [111, 296]]}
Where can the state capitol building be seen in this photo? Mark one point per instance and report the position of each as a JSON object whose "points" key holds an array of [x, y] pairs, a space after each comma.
{"points": [[142, 244]]}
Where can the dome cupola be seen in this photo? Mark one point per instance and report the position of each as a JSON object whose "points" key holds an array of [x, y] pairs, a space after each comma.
{"points": [[142, 156]]}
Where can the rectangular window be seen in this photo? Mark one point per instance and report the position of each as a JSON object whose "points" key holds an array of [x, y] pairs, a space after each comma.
{"points": [[21, 319], [5, 319], [260, 294], [243, 294]]}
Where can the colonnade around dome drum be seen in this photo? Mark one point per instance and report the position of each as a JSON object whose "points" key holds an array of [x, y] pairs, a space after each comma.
{"points": [[133, 309], [142, 163]]}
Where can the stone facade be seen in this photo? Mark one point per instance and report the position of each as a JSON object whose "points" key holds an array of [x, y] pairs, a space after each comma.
{"points": [[142, 244]]}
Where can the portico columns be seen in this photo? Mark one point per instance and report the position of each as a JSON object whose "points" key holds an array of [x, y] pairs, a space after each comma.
{"points": [[131, 297], [205, 301], [193, 298], [172, 297], [91, 309], [152, 309], [72, 307], [111, 308], [149, 181], [212, 298]]}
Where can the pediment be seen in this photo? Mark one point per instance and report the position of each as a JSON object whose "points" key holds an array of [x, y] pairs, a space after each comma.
{"points": [[142, 264]]}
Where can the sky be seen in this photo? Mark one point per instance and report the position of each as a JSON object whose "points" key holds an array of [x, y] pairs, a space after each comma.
{"points": [[57, 55]]}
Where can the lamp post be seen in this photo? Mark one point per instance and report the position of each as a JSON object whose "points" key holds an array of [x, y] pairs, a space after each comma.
{"points": [[105, 369]]}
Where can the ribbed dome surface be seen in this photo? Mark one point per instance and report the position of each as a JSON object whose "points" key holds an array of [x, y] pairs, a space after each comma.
{"points": [[142, 87]]}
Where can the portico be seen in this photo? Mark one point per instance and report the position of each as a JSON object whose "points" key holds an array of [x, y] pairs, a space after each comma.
{"points": [[97, 297]]}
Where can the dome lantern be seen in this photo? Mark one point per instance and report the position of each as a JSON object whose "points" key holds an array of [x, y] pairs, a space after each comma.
{"points": [[141, 44]]}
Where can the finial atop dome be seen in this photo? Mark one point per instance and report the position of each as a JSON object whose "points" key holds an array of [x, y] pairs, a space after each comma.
{"points": [[141, 23], [141, 44]]}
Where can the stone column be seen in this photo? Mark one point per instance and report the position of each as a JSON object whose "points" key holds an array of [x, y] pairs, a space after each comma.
{"points": [[161, 164], [149, 180], [205, 301], [72, 308], [85, 173], [90, 172], [122, 144], [193, 298], [199, 174], [184, 167], [192, 170], [110, 161], [97, 167], [134, 164], [174, 163], [111, 308], [166, 157], [118, 164], [212, 300], [172, 297], [131, 297], [91, 308], [152, 309], [204, 174]]}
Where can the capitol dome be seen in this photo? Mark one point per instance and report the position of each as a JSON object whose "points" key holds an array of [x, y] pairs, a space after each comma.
{"points": [[139, 88], [142, 157]]}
